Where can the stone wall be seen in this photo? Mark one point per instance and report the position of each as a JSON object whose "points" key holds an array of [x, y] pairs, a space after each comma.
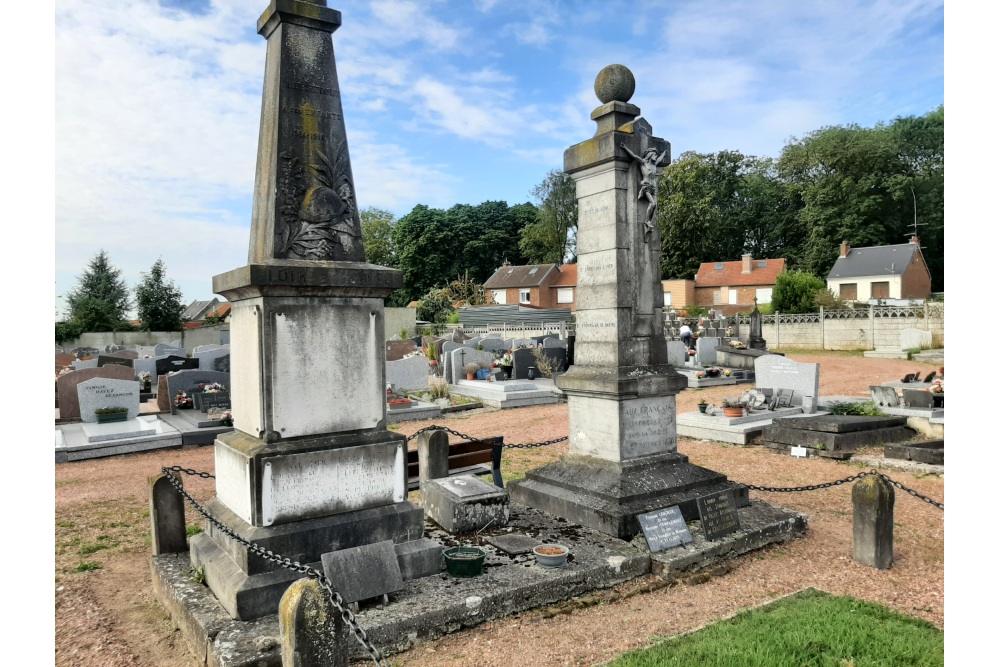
{"points": [[397, 319], [190, 338], [875, 327]]}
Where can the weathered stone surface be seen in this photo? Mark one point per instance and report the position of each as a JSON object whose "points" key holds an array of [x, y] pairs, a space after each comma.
{"points": [[166, 516], [929, 451], [465, 503], [187, 380], [873, 499], [840, 423], [397, 349], [432, 455], [419, 558], [408, 374], [312, 633], [364, 572], [776, 372], [99, 393]]}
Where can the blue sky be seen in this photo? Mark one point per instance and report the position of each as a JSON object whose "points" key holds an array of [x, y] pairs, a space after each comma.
{"points": [[158, 103]]}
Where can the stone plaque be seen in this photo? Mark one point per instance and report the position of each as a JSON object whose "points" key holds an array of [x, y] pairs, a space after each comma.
{"points": [[777, 372], [298, 486], [172, 363], [104, 392], [219, 399], [718, 514], [367, 571], [645, 425], [664, 529], [103, 360]]}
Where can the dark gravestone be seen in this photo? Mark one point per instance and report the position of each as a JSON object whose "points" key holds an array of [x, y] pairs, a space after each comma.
{"points": [[755, 341], [930, 376], [570, 348], [364, 572], [124, 354], [188, 381], [221, 364], [218, 399], [523, 359], [174, 363], [556, 357], [718, 514], [69, 399], [103, 360], [397, 349], [873, 499], [909, 377], [664, 529], [918, 398]]}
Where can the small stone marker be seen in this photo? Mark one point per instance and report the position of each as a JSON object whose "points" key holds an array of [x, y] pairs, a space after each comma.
{"points": [[664, 529], [465, 503], [432, 455], [718, 514], [514, 544], [873, 500], [367, 571], [884, 396], [312, 633], [166, 514]]}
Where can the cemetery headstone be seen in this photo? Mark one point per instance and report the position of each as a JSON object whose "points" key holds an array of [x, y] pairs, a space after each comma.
{"points": [[69, 401], [884, 397], [103, 360], [206, 348], [63, 359], [776, 372], [523, 360], [676, 353], [221, 364], [103, 392], [664, 529], [718, 515], [873, 500], [188, 381], [493, 345], [146, 351], [172, 363], [162, 349], [206, 359], [124, 354], [397, 349], [408, 374], [552, 341], [705, 348], [461, 356], [756, 341], [80, 364]]}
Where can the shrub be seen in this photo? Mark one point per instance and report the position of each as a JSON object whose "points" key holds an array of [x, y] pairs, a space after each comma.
{"points": [[545, 365], [795, 292], [115, 410], [861, 408], [438, 387], [828, 300]]}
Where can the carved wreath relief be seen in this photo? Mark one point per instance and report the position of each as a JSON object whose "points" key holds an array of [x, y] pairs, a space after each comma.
{"points": [[318, 214]]}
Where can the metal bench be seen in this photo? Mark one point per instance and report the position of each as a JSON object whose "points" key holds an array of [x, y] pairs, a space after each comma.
{"points": [[464, 458]]}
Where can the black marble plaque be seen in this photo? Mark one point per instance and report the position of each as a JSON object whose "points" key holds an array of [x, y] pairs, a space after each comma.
{"points": [[113, 361], [718, 515], [219, 399], [175, 363], [664, 528]]}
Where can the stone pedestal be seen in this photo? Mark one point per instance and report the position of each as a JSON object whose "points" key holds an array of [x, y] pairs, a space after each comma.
{"points": [[310, 468], [621, 388]]}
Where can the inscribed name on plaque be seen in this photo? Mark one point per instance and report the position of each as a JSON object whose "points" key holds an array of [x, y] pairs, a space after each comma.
{"points": [[718, 514], [664, 529]]}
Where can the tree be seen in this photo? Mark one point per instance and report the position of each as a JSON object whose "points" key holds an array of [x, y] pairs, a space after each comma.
{"points": [[435, 306], [795, 292], [101, 298], [376, 232], [158, 300], [552, 238]]}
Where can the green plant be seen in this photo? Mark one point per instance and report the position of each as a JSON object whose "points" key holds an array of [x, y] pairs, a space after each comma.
{"points": [[545, 365], [912, 351], [438, 387], [402, 333], [197, 574], [112, 410], [192, 530], [453, 317], [795, 292], [861, 408], [703, 402], [87, 566]]}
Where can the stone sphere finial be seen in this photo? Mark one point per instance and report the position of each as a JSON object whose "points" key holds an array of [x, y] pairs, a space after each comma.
{"points": [[614, 83]]}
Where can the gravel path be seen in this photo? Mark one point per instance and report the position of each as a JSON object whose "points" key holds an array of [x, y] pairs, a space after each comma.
{"points": [[108, 617]]}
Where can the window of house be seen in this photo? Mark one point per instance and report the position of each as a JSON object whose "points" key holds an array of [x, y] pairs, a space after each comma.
{"points": [[734, 297], [667, 299], [564, 295], [880, 290], [763, 295], [500, 296], [525, 296], [849, 291]]}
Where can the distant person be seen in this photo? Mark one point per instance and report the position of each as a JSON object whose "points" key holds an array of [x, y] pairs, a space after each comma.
{"points": [[686, 336]]}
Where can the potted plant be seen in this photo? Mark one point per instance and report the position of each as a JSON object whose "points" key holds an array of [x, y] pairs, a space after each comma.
{"points": [[551, 555], [464, 561], [507, 363], [111, 414], [432, 354], [702, 406], [145, 380], [400, 403], [470, 370], [732, 407]]}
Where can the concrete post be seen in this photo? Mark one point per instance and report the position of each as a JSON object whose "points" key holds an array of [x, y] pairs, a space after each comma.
{"points": [[777, 330], [166, 516], [871, 324], [432, 455], [312, 632], [822, 329], [873, 500]]}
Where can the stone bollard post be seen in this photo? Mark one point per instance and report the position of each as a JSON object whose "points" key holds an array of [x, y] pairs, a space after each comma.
{"points": [[312, 632], [166, 514], [432, 455], [873, 500]]}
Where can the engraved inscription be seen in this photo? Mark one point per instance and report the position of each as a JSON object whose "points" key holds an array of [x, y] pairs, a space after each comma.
{"points": [[645, 424], [310, 88], [309, 111], [664, 528], [718, 515], [286, 276]]}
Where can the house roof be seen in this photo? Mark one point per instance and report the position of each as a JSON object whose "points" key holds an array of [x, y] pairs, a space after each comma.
{"points": [[222, 310], [530, 275], [730, 274], [567, 276], [883, 260], [198, 309]]}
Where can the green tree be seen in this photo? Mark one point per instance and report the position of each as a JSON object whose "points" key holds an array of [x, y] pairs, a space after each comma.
{"points": [[158, 300], [376, 232], [435, 306], [100, 300], [795, 292], [552, 237]]}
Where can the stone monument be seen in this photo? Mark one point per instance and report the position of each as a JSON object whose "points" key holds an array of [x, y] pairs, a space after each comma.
{"points": [[621, 389], [310, 467], [756, 341]]}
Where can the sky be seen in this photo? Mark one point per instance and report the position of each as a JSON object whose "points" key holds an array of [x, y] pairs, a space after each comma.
{"points": [[445, 102]]}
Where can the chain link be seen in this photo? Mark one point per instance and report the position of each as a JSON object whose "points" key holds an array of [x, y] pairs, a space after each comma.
{"points": [[527, 445], [335, 598], [852, 478]]}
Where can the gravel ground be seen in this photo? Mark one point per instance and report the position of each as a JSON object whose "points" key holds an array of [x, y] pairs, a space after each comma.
{"points": [[107, 616]]}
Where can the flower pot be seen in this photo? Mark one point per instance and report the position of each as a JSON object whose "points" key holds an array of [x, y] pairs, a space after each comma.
{"points": [[732, 412], [116, 417], [550, 555], [464, 561], [470, 376], [508, 371], [531, 372], [702, 407]]}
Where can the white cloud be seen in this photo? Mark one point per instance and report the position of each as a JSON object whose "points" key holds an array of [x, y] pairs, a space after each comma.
{"points": [[411, 20]]}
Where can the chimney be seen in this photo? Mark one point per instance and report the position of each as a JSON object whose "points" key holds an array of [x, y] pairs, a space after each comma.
{"points": [[844, 249], [915, 240], [746, 263]]}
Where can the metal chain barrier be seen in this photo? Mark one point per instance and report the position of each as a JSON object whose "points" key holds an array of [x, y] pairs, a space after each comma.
{"points": [[335, 599], [528, 445], [852, 478]]}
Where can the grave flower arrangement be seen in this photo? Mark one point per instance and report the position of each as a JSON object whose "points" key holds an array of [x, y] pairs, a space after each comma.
{"points": [[226, 418], [937, 387], [182, 400], [739, 345], [710, 372], [507, 359], [727, 372], [212, 387], [110, 410], [145, 379]]}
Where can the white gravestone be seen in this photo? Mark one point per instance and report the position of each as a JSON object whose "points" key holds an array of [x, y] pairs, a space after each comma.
{"points": [[408, 374], [705, 348], [776, 372], [457, 362], [105, 393], [676, 353]]}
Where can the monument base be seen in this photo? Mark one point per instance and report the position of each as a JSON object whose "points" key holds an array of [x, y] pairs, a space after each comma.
{"points": [[608, 497], [249, 586]]}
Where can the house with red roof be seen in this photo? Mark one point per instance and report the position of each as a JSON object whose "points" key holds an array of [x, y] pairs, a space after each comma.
{"points": [[537, 285], [731, 287]]}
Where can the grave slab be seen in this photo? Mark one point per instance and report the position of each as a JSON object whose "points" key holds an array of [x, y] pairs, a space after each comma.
{"points": [[465, 503], [363, 572]]}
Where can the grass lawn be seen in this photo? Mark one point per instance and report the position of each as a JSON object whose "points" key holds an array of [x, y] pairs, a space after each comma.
{"points": [[808, 629]]}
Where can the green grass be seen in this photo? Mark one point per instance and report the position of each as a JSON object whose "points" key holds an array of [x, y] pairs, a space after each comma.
{"points": [[192, 530], [809, 629], [87, 566]]}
